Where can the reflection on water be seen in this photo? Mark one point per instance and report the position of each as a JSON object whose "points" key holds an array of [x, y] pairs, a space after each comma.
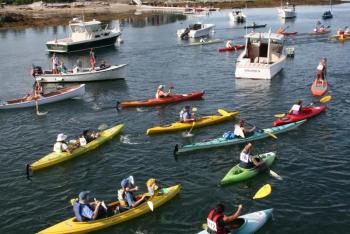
{"points": [[152, 20]]}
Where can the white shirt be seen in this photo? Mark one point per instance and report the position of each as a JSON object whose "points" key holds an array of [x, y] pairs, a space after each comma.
{"points": [[245, 157], [238, 131], [320, 67], [59, 147], [82, 141]]}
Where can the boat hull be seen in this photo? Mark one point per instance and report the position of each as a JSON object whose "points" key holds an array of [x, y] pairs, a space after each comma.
{"points": [[112, 73], [57, 96], [319, 88], [307, 113], [197, 33]]}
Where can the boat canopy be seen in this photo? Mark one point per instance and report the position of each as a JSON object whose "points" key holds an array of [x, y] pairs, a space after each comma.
{"points": [[265, 36], [90, 26]]}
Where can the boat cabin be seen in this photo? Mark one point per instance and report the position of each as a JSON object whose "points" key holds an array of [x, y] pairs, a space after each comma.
{"points": [[263, 48], [81, 30]]}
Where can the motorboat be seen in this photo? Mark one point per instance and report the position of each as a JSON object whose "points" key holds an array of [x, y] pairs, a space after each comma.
{"points": [[262, 58], [195, 31], [328, 14], [237, 16], [84, 36], [287, 11]]}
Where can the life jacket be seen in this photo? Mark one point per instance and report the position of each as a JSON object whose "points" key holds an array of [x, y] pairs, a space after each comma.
{"points": [[78, 210], [296, 109], [238, 131], [58, 147], [245, 161], [121, 199], [82, 141], [213, 225], [184, 115]]}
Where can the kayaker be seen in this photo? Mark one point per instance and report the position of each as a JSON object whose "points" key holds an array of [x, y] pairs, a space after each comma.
{"points": [[125, 194], [280, 30], [60, 145], [296, 108], [186, 116], [218, 222], [322, 28], [161, 93], [152, 187], [229, 44], [90, 137], [322, 69], [246, 160], [85, 210], [241, 131]]}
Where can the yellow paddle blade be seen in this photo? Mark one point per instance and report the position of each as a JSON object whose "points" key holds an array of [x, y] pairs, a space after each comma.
{"points": [[279, 115], [272, 135], [205, 226], [325, 99], [223, 112], [263, 191], [194, 109], [72, 201]]}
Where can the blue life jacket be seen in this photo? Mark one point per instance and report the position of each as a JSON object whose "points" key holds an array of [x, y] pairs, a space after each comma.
{"points": [[78, 210], [229, 135]]}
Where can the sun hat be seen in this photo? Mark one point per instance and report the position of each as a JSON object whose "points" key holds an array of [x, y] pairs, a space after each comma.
{"points": [[61, 137], [161, 87], [131, 179], [83, 195]]}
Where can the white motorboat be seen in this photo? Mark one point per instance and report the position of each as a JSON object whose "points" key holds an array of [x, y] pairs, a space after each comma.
{"points": [[287, 11], [237, 16], [263, 56], [112, 72], [59, 95], [195, 31], [84, 36]]}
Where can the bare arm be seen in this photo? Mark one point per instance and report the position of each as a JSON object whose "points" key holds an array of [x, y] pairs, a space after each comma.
{"points": [[97, 207], [233, 216]]}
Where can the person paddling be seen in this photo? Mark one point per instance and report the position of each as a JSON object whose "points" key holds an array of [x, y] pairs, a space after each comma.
{"points": [[229, 44], [218, 222], [322, 69], [186, 116], [296, 108], [61, 145], [246, 160], [152, 187], [161, 93], [242, 131], [125, 194], [85, 210]]}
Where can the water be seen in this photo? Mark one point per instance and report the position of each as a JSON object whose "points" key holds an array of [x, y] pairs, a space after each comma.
{"points": [[313, 160]]}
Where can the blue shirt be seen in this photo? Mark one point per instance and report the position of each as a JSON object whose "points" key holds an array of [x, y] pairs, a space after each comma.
{"points": [[186, 116], [125, 183], [87, 212]]}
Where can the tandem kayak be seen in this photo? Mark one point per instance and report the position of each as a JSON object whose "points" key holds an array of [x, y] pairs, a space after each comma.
{"points": [[56, 158], [203, 121], [248, 223], [319, 88], [162, 101], [233, 48], [220, 142], [341, 37], [204, 42], [307, 113], [238, 174], [72, 226], [256, 26]]}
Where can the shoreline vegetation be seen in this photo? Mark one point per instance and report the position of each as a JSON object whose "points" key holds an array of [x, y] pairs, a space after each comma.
{"points": [[40, 14]]}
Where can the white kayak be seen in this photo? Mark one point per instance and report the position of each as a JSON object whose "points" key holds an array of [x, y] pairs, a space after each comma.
{"points": [[249, 223], [59, 95], [112, 72]]}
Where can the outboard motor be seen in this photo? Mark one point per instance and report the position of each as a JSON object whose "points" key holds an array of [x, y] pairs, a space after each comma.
{"points": [[184, 35], [36, 70]]}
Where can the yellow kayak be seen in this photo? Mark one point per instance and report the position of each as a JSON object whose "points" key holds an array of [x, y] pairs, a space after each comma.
{"points": [[340, 37], [71, 226], [204, 121], [55, 158]]}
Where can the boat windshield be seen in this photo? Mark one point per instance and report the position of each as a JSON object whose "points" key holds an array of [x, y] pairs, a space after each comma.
{"points": [[77, 28]]}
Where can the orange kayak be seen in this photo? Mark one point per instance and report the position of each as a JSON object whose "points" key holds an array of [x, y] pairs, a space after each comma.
{"points": [[319, 88]]}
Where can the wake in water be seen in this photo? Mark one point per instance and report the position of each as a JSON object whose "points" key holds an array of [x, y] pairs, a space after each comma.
{"points": [[139, 109], [125, 139]]}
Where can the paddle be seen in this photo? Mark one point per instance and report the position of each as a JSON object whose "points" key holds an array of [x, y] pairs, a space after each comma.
{"points": [[263, 192], [37, 104], [268, 133], [275, 175], [150, 205], [189, 134], [322, 100]]}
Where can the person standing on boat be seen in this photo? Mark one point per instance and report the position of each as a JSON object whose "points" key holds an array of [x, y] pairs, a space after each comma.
{"points": [[92, 60], [218, 222], [322, 69], [125, 194], [246, 160], [77, 67], [161, 93], [296, 108], [55, 63], [61, 145]]}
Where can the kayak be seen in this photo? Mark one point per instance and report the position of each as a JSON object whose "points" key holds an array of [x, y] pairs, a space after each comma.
{"points": [[320, 33], [248, 223], [162, 101], [233, 48], [341, 38], [307, 113], [72, 226], [56, 158], [256, 26], [204, 42], [203, 121], [319, 88], [238, 174], [288, 33], [221, 141]]}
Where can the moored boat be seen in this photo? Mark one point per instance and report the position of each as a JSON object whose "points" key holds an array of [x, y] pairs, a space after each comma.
{"points": [[162, 101], [287, 11], [201, 122], [319, 87], [237, 16], [112, 72], [306, 113], [56, 96], [248, 223], [255, 26], [56, 158], [239, 174], [84, 36], [195, 31], [72, 226], [221, 141]]}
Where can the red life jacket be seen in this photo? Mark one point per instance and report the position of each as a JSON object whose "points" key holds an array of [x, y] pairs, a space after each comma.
{"points": [[213, 225]]}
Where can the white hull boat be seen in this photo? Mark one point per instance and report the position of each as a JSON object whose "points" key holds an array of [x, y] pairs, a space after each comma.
{"points": [[59, 95], [262, 58], [237, 16], [287, 11], [110, 73], [195, 31]]}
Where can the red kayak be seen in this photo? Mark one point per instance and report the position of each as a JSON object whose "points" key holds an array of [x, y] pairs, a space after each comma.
{"points": [[288, 33], [319, 87], [162, 101], [319, 33], [307, 113], [236, 47]]}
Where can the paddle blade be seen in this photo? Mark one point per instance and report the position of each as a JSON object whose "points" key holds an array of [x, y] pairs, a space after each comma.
{"points": [[275, 175], [194, 109], [150, 205], [223, 112], [279, 115], [272, 135], [72, 201], [263, 192], [41, 113], [326, 99]]}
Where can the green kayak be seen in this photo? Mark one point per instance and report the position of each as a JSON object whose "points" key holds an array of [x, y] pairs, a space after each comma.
{"points": [[219, 142], [238, 174], [213, 41]]}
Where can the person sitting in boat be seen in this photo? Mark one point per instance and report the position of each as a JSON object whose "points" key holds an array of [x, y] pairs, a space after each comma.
{"points": [[103, 65], [203, 40], [85, 210], [246, 160], [61, 145], [296, 108], [242, 131], [322, 69], [220, 223], [152, 187], [322, 29], [77, 67], [125, 194], [280, 30], [91, 137], [229, 44], [161, 93], [55, 63], [62, 68], [186, 116]]}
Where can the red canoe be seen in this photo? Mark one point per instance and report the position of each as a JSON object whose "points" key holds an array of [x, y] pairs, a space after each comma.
{"points": [[288, 33], [236, 47], [319, 88], [320, 33], [161, 101], [307, 113]]}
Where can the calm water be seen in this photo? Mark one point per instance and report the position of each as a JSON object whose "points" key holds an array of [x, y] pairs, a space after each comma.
{"points": [[314, 160]]}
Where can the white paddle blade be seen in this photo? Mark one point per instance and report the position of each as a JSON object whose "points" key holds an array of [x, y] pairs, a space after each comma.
{"points": [[150, 205], [275, 175], [41, 113], [187, 134]]}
